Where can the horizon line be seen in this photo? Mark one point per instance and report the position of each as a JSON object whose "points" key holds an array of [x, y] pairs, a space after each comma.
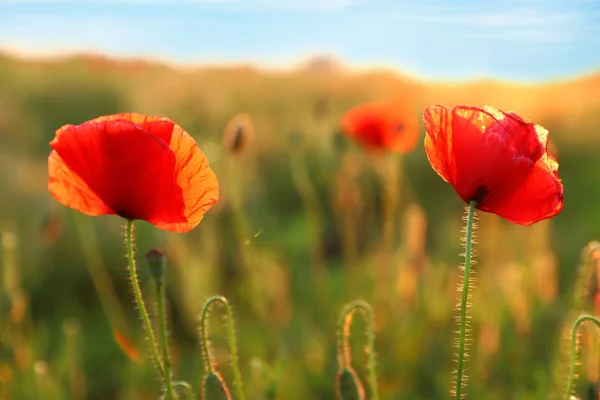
{"points": [[290, 66]]}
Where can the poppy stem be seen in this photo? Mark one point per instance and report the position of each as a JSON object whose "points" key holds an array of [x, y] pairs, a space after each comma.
{"points": [[573, 360], [209, 362], [390, 200], [164, 342], [137, 293], [186, 386], [391, 185], [313, 209], [344, 355], [461, 382]]}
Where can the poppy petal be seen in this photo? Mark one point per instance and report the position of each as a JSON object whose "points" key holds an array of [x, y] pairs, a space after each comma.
{"points": [[160, 127], [496, 158], [402, 128], [71, 190], [539, 197], [437, 120], [133, 117], [362, 123], [130, 170], [199, 185], [494, 152], [387, 125]]}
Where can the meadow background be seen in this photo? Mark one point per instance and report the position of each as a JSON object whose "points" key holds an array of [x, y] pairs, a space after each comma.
{"points": [[296, 234]]}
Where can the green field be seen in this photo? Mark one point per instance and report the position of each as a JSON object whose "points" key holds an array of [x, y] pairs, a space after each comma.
{"points": [[296, 234]]}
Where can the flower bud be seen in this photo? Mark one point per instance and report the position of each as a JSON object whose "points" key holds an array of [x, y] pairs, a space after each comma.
{"points": [[156, 264], [348, 385], [214, 387], [238, 134]]}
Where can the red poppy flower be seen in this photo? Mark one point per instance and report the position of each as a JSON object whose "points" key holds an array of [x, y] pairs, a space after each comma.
{"points": [[135, 166], [389, 125], [497, 159]]}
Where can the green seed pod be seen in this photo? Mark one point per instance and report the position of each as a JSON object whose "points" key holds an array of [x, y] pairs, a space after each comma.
{"points": [[214, 387], [238, 134], [348, 385], [156, 264]]}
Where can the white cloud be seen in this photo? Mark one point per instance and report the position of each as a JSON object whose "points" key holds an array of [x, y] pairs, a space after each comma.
{"points": [[497, 19], [540, 36], [539, 24]]}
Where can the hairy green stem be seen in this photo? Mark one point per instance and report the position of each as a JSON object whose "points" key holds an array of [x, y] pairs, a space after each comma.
{"points": [[574, 329], [462, 333], [344, 356], [164, 341], [208, 360], [186, 386], [137, 293]]}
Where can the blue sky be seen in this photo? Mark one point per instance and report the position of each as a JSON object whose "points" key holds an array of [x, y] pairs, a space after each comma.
{"points": [[524, 40]]}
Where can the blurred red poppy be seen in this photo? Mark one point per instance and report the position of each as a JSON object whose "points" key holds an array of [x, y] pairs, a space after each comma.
{"points": [[497, 159], [387, 125], [135, 166]]}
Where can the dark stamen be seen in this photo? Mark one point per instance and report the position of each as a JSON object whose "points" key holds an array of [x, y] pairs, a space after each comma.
{"points": [[480, 193], [123, 214]]}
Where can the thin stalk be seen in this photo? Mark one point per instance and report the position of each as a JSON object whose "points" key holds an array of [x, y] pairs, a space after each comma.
{"points": [[205, 343], [237, 376], [346, 186], [581, 295], [310, 201], [344, 355], [390, 200], [389, 171], [464, 302], [241, 224], [186, 386], [349, 226], [164, 341], [576, 325], [137, 293]]}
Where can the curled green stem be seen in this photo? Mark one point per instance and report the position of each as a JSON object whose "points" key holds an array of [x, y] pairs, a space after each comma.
{"points": [[137, 293], [582, 293], [344, 355], [209, 362], [164, 341], [460, 383], [582, 287], [186, 386], [573, 357]]}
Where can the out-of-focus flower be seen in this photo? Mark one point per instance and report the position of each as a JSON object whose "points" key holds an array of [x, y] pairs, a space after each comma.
{"points": [[386, 125]]}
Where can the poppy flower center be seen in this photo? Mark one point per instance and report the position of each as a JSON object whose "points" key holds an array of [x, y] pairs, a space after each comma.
{"points": [[399, 127], [480, 193], [124, 214]]}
